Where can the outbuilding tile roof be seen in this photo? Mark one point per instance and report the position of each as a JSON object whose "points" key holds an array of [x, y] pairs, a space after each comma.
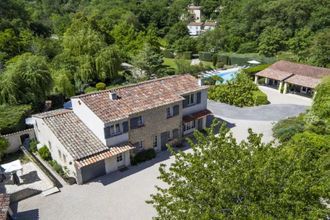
{"points": [[75, 136], [4, 205], [113, 151], [140, 97], [295, 73]]}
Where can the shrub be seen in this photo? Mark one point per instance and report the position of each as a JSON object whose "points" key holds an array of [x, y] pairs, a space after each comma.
{"points": [[143, 156], [168, 53], [206, 56], [90, 89], [285, 129], [57, 167], [100, 86], [260, 98], [12, 118], [33, 145], [44, 153], [184, 55], [213, 80], [3, 146], [253, 70], [223, 59]]}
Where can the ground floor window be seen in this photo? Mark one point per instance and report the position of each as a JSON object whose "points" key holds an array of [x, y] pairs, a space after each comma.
{"points": [[119, 157], [188, 125], [155, 142], [175, 133]]}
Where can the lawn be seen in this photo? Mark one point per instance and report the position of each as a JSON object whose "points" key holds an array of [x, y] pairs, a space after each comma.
{"points": [[170, 62]]}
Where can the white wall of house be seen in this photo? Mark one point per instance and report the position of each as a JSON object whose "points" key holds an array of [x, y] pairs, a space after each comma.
{"points": [[94, 123], [118, 139], [45, 136], [111, 164], [194, 30], [198, 107], [14, 139]]}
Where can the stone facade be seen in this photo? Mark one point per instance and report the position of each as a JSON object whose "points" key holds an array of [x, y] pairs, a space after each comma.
{"points": [[155, 123]]}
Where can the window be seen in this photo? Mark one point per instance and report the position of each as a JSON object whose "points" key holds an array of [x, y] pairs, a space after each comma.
{"points": [[138, 145], [175, 133], [176, 110], [112, 130], [168, 112], [189, 125], [155, 143], [119, 157], [125, 126], [192, 99], [189, 100], [136, 122]]}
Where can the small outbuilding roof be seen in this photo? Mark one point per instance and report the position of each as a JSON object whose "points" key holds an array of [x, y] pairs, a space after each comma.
{"points": [[274, 74], [303, 81]]}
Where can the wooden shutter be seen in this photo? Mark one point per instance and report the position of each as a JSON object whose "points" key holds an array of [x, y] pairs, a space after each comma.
{"points": [[199, 96], [175, 110], [185, 101], [125, 126], [107, 132], [134, 122]]}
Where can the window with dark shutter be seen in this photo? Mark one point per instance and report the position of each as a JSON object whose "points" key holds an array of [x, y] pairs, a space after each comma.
{"points": [[199, 96], [175, 133], [175, 110], [125, 126], [136, 122], [107, 132]]}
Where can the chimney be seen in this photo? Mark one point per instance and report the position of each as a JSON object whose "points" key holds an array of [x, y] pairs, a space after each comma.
{"points": [[113, 96]]}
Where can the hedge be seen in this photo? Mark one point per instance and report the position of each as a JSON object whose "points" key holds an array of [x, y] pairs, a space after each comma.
{"points": [[242, 59], [206, 56], [143, 156], [100, 86], [260, 98], [252, 70], [184, 55], [12, 118]]}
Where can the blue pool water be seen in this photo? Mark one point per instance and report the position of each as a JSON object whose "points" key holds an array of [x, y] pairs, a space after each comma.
{"points": [[225, 74]]}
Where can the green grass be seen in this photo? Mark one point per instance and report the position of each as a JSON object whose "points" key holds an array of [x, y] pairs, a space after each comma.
{"points": [[170, 62]]}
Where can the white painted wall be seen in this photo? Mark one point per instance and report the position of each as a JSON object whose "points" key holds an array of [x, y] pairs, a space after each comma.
{"points": [[14, 139], [111, 163], [44, 135], [198, 107], [86, 115], [194, 30], [119, 138]]}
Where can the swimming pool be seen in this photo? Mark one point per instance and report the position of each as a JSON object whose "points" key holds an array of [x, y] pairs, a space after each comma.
{"points": [[226, 75]]}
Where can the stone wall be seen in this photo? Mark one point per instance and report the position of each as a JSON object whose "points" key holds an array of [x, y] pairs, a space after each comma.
{"points": [[155, 122], [15, 141]]}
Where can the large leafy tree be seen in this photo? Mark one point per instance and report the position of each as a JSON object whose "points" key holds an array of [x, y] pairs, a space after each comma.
{"points": [[26, 79], [222, 179]]}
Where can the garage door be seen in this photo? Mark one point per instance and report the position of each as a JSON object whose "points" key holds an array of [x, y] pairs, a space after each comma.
{"points": [[92, 171]]}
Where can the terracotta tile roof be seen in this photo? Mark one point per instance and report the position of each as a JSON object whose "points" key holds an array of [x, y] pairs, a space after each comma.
{"points": [[79, 141], [274, 74], [196, 115], [305, 81], [104, 155], [4, 205], [195, 24], [210, 23], [300, 69], [51, 113], [140, 97]]}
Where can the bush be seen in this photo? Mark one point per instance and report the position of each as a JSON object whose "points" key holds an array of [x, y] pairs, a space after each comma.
{"points": [[213, 80], [184, 55], [3, 146], [168, 53], [206, 56], [260, 98], [285, 129], [57, 167], [33, 145], [143, 156], [90, 89], [12, 118], [223, 59], [100, 86], [253, 70], [44, 153]]}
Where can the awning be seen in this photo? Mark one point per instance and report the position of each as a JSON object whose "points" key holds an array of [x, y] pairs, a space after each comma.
{"points": [[196, 115], [113, 151]]}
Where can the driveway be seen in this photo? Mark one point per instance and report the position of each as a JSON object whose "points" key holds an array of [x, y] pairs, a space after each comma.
{"points": [[122, 195]]}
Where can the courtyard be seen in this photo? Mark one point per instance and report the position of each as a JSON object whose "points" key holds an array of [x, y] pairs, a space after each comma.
{"points": [[122, 195]]}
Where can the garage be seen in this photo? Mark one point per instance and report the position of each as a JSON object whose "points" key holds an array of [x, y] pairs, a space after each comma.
{"points": [[92, 171]]}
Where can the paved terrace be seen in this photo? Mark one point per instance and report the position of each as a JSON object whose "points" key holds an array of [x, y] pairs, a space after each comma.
{"points": [[122, 195]]}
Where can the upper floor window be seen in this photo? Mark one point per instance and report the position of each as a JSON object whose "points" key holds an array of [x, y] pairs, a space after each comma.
{"points": [[168, 112], [116, 129], [172, 111], [191, 99], [136, 122]]}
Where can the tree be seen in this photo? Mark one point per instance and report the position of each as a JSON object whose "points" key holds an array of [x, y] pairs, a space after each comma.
{"points": [[177, 31], [108, 63], [3, 146], [150, 61], [320, 49], [222, 179], [26, 80], [271, 41], [62, 83]]}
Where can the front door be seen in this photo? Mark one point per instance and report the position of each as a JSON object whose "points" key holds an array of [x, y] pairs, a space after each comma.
{"points": [[120, 160], [200, 124], [164, 137]]}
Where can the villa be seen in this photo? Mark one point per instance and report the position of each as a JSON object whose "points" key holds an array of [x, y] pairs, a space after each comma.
{"points": [[292, 77], [197, 27], [104, 129]]}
